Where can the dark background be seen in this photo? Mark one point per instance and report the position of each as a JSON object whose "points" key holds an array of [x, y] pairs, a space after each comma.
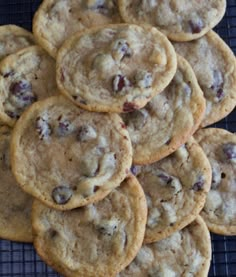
{"points": [[20, 260]]}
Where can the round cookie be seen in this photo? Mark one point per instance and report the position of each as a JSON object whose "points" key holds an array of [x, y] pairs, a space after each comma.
{"points": [[215, 67], [99, 240], [13, 38], [219, 211], [176, 188], [25, 77], [169, 119], [57, 20], [180, 20], [115, 68], [68, 157], [184, 253], [15, 205]]}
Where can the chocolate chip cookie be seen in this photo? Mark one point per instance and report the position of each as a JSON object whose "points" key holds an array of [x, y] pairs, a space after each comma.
{"points": [[15, 208], [215, 67], [57, 20], [169, 119], [180, 20], [219, 211], [13, 38], [68, 157], [175, 189], [96, 240], [115, 68], [185, 253], [25, 77]]}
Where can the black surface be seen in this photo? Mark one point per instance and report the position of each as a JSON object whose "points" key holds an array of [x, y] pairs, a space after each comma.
{"points": [[20, 260]]}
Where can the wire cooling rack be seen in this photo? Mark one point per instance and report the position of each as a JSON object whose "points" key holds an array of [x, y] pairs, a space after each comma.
{"points": [[21, 260]]}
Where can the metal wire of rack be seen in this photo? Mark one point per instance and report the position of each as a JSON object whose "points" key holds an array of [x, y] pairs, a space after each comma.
{"points": [[20, 259]]}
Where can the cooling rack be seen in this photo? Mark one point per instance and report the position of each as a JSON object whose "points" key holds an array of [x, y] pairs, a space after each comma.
{"points": [[20, 259]]}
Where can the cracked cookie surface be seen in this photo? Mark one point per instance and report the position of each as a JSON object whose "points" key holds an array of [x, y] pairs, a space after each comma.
{"points": [[219, 211], [184, 253], [14, 38], [100, 239], [214, 64], [68, 157], [169, 119], [25, 77], [115, 68], [15, 208], [175, 188], [57, 20], [180, 20]]}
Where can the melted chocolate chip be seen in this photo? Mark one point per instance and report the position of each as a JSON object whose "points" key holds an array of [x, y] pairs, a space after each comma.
{"points": [[137, 118], [196, 25], [120, 82], [64, 128], [198, 185], [52, 233], [166, 178], [61, 195], [134, 170], [230, 151], [10, 73], [20, 86], [21, 94], [121, 49], [86, 133], [43, 128], [12, 114], [129, 107]]}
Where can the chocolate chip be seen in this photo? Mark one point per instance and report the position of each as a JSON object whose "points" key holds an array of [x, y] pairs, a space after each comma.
{"points": [[10, 73], [14, 115], [196, 25], [134, 170], [230, 151], [121, 49], [217, 85], [137, 118], [52, 233], [120, 82], [164, 177], [223, 175], [64, 128], [20, 86], [86, 132], [129, 107], [217, 80], [21, 94], [43, 128], [61, 195], [107, 227], [198, 185]]}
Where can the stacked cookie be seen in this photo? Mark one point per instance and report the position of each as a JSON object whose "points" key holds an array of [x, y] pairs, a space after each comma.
{"points": [[102, 136]]}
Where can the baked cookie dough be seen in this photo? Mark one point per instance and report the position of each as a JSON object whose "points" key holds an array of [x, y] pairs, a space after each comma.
{"points": [[180, 20], [184, 253], [115, 68], [176, 188], [57, 20], [169, 119], [25, 77], [219, 211], [13, 38], [68, 157], [215, 67], [15, 204], [96, 240]]}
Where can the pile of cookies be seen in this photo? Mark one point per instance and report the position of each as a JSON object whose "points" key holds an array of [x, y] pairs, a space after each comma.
{"points": [[100, 169]]}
